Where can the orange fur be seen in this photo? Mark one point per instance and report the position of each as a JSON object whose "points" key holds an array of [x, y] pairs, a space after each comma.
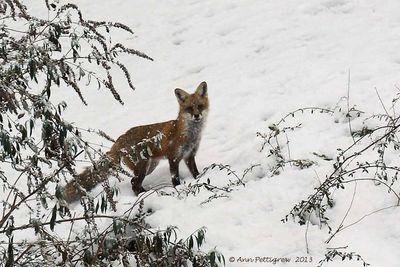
{"points": [[138, 150]]}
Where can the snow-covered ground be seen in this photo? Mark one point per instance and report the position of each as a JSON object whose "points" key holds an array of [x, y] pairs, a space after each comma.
{"points": [[261, 59]]}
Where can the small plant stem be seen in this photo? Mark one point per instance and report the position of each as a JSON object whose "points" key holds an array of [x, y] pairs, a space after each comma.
{"points": [[348, 106]]}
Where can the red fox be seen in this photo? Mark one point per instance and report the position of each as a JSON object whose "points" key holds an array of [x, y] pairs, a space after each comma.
{"points": [[179, 139]]}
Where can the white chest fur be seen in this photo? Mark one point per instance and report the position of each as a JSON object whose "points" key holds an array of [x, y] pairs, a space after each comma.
{"points": [[192, 138]]}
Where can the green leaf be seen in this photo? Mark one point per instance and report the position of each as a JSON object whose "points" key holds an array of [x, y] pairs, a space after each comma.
{"points": [[221, 258], [31, 126], [97, 207], [103, 206], [32, 69], [23, 132], [212, 258], [48, 91], [115, 228], [75, 54], [200, 238], [6, 145], [10, 253], [53, 218], [191, 243]]}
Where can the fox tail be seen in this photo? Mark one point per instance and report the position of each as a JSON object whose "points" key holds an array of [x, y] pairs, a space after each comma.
{"points": [[87, 180]]}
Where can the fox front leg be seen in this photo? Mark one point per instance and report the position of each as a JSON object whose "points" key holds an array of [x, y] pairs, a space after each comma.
{"points": [[140, 173], [191, 164], [174, 170]]}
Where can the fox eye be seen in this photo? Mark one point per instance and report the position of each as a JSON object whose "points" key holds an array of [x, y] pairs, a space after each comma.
{"points": [[189, 109], [201, 107]]}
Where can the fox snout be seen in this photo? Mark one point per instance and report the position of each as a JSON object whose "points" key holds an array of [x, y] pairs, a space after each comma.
{"points": [[200, 116], [197, 117], [194, 117]]}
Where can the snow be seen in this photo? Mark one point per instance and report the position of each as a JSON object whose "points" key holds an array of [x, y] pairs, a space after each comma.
{"points": [[261, 60]]}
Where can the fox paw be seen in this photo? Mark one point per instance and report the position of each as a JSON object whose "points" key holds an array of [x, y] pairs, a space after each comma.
{"points": [[136, 188], [176, 181]]}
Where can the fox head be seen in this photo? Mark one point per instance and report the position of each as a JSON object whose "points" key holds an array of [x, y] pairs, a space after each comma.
{"points": [[193, 107]]}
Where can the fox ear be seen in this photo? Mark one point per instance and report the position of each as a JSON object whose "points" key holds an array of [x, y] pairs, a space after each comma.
{"points": [[181, 95], [202, 89]]}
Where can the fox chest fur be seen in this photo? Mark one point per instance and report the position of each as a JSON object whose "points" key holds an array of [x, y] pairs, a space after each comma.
{"points": [[189, 140]]}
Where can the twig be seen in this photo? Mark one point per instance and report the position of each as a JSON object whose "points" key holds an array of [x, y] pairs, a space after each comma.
{"points": [[348, 106], [345, 216], [306, 234], [377, 180], [40, 187], [331, 178], [367, 215], [381, 101]]}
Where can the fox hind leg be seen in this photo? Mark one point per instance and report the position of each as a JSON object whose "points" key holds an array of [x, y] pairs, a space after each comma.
{"points": [[151, 165], [136, 183], [140, 170]]}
